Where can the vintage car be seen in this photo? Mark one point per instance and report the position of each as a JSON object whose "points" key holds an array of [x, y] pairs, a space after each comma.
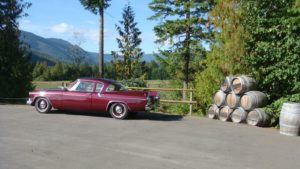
{"points": [[92, 94]]}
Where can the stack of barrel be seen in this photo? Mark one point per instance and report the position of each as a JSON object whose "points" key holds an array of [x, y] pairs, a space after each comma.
{"points": [[239, 101]]}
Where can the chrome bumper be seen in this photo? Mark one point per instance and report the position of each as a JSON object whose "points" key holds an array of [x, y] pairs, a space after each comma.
{"points": [[152, 102], [29, 101]]}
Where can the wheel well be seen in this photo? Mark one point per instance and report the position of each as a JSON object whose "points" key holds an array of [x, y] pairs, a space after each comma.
{"points": [[109, 105]]}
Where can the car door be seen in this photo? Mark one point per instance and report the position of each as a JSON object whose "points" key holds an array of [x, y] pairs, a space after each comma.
{"points": [[99, 101], [79, 97]]}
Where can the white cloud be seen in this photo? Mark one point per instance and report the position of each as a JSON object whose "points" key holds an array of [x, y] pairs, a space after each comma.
{"points": [[62, 28]]}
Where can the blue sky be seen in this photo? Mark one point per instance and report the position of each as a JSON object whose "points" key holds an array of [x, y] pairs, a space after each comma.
{"points": [[64, 18]]}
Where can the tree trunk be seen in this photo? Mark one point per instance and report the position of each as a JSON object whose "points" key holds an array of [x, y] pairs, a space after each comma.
{"points": [[101, 44], [186, 56]]}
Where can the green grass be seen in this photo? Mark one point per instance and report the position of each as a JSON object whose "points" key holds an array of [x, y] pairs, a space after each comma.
{"points": [[48, 84]]}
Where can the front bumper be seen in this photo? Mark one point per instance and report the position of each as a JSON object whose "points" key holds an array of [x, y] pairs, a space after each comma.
{"points": [[29, 101]]}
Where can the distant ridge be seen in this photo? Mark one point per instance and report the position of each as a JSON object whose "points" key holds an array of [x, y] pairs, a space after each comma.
{"points": [[52, 50]]}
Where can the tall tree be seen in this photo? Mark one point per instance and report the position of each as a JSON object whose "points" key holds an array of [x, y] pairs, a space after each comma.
{"points": [[184, 29], [15, 68], [97, 7], [127, 60], [227, 55]]}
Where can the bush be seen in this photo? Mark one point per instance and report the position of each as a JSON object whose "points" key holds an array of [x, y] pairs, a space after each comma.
{"points": [[207, 83], [276, 106], [135, 82]]}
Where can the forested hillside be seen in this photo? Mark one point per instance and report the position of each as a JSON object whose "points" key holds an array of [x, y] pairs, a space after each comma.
{"points": [[52, 50]]}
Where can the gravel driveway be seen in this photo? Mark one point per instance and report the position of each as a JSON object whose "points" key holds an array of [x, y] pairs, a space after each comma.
{"points": [[68, 140]]}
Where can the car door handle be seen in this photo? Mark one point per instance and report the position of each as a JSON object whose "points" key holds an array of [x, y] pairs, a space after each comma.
{"points": [[99, 95]]}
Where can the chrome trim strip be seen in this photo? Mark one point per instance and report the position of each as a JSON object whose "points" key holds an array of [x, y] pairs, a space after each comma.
{"points": [[103, 96]]}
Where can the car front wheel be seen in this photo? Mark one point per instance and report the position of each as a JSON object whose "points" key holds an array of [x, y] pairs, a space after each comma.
{"points": [[118, 111], [42, 105]]}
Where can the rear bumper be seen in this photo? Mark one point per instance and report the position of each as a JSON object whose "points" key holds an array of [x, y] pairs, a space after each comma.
{"points": [[152, 102]]}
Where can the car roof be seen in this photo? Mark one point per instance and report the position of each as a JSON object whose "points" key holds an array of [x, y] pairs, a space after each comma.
{"points": [[97, 79]]}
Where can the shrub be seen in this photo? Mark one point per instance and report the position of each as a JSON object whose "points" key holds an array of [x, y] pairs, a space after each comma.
{"points": [[276, 106], [134, 82]]}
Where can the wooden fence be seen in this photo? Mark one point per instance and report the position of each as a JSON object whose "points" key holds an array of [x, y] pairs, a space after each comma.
{"points": [[190, 101]]}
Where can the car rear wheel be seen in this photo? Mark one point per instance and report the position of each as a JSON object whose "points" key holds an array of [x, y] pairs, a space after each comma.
{"points": [[118, 111], [42, 105]]}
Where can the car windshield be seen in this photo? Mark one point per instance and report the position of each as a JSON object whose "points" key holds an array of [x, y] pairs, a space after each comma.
{"points": [[69, 86], [115, 87]]}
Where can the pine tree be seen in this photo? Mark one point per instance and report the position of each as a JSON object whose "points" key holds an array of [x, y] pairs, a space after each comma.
{"points": [[184, 28], [127, 60], [15, 68], [97, 7]]}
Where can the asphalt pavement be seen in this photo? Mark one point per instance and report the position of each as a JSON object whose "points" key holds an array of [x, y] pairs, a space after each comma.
{"points": [[72, 140]]}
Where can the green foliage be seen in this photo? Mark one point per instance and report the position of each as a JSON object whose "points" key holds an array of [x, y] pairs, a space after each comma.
{"points": [[178, 109], [183, 30], [276, 107], [227, 55], [65, 71], [134, 82], [155, 70], [62, 71], [127, 61], [274, 45], [15, 68], [95, 5], [207, 83]]}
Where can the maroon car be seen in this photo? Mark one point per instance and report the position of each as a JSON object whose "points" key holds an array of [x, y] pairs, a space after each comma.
{"points": [[91, 94]]}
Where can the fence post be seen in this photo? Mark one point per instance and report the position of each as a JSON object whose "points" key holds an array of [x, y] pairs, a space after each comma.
{"points": [[191, 105]]}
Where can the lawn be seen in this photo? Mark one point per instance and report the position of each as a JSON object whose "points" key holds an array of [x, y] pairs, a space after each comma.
{"points": [[38, 85]]}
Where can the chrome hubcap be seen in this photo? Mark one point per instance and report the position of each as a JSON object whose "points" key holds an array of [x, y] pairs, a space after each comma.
{"points": [[43, 104], [119, 110]]}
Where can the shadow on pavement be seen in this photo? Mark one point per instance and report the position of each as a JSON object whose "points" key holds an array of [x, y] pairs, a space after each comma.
{"points": [[139, 116], [156, 116]]}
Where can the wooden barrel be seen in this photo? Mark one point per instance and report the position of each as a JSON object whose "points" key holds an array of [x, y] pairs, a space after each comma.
{"points": [[213, 112], [233, 100], [225, 113], [242, 84], [258, 117], [239, 115], [290, 119], [226, 84], [253, 99], [219, 98]]}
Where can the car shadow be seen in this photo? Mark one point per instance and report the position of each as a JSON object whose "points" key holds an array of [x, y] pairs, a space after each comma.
{"points": [[153, 116]]}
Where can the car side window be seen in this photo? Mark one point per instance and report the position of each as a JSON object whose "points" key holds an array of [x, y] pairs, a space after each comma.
{"points": [[115, 87], [99, 87], [110, 88], [85, 87]]}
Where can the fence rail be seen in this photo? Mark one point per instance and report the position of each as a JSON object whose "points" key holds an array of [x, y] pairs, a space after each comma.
{"points": [[190, 101], [160, 89]]}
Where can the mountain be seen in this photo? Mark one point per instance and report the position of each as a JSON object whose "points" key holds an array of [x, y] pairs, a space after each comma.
{"points": [[52, 50]]}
